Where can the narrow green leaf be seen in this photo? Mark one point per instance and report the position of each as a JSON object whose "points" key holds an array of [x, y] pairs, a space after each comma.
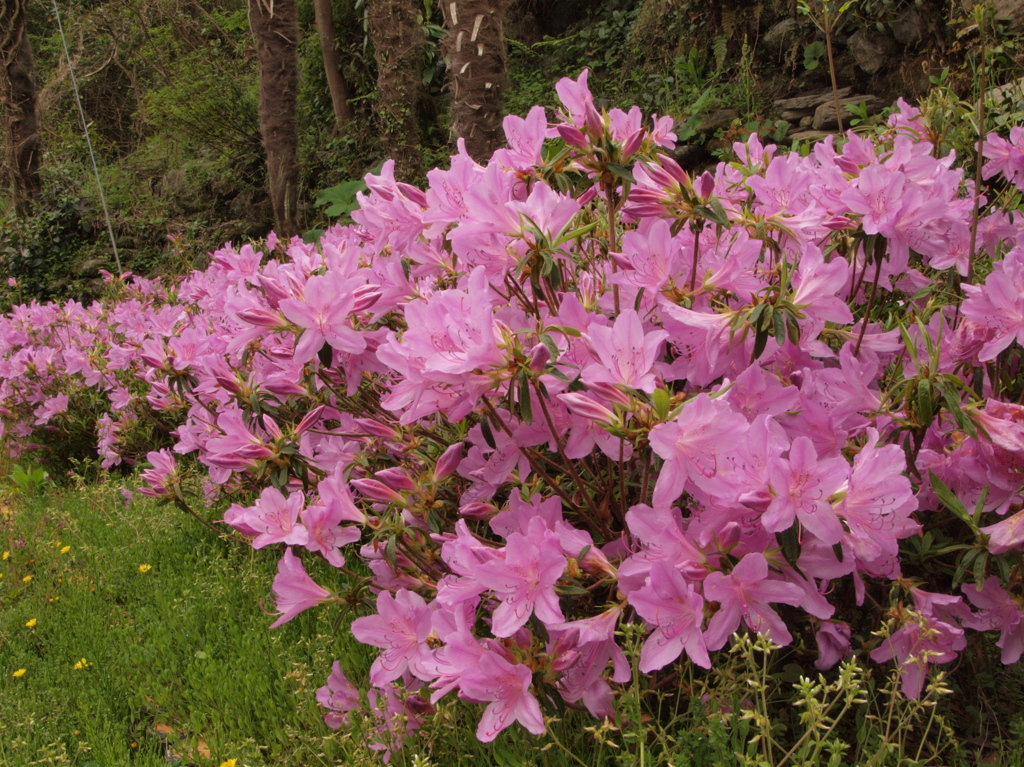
{"points": [[621, 172], [525, 405], [662, 403], [485, 429], [949, 500]]}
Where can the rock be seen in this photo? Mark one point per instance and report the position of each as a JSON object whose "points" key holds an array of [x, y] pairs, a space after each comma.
{"points": [[810, 100], [782, 35], [871, 49], [718, 119], [806, 122], [810, 135], [1010, 11], [797, 114], [910, 28], [825, 115], [91, 265], [1014, 92], [691, 157]]}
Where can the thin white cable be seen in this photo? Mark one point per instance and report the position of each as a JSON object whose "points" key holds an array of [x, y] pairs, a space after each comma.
{"points": [[88, 141]]}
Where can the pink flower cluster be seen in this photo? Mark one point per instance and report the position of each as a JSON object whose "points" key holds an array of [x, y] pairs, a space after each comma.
{"points": [[576, 388]]}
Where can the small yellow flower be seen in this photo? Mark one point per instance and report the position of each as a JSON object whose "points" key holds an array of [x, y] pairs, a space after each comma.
{"points": [[83, 663], [19, 673], [145, 568], [26, 579], [54, 599], [6, 555], [65, 550], [229, 763], [31, 624]]}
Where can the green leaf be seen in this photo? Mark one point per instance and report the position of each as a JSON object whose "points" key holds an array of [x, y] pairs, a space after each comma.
{"points": [[789, 541], [964, 565], [525, 405], [714, 216], [621, 172], [780, 328], [949, 500], [662, 403], [485, 429], [980, 570]]}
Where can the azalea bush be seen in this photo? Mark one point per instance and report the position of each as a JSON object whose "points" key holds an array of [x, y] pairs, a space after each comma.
{"points": [[577, 394]]}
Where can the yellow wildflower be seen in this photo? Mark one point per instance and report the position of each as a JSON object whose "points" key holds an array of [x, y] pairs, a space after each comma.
{"points": [[26, 579], [229, 763], [31, 624], [83, 663], [6, 555], [145, 568], [65, 550], [19, 673]]}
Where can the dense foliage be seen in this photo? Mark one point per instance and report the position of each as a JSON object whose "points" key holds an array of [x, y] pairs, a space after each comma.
{"points": [[577, 390]]}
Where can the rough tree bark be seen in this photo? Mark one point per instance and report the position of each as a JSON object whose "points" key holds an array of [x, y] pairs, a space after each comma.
{"points": [[475, 54], [336, 83], [275, 26], [398, 42], [18, 106]]}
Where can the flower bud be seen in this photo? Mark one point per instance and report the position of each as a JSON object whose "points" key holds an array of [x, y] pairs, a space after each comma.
{"points": [[365, 297], [572, 136], [632, 144], [477, 510], [310, 418], [378, 491], [704, 186], [376, 429], [540, 356], [584, 406], [396, 478], [448, 462], [271, 427]]}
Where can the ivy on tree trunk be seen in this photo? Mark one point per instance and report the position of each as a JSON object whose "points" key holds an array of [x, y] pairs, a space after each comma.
{"points": [[18, 102], [336, 83], [398, 43]]}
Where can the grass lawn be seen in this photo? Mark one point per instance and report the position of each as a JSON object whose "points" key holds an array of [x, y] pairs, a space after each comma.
{"points": [[141, 634]]}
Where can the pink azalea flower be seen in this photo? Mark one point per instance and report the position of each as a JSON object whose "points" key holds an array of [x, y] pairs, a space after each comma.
{"points": [[525, 579], [692, 443], [670, 604], [507, 687], [745, 594], [275, 518], [328, 301], [294, 589], [999, 612], [801, 486], [626, 353], [400, 628], [339, 696]]}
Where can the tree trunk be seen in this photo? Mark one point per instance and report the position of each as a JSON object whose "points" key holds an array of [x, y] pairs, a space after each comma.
{"points": [[336, 83], [18, 102], [398, 48], [474, 50], [276, 29]]}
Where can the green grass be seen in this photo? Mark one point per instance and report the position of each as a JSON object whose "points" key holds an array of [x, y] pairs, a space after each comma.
{"points": [[183, 647]]}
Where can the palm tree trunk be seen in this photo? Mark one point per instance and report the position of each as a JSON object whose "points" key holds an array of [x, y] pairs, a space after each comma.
{"points": [[276, 28], [475, 53]]}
